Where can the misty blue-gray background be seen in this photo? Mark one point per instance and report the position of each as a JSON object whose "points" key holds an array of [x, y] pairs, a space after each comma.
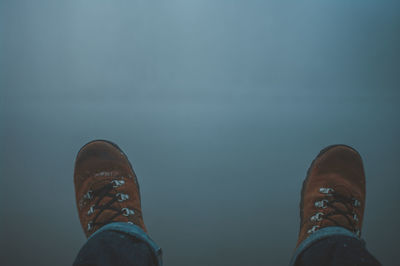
{"points": [[220, 106]]}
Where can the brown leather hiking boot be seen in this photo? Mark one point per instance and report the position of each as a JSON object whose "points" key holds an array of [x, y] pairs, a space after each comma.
{"points": [[333, 192], [106, 187]]}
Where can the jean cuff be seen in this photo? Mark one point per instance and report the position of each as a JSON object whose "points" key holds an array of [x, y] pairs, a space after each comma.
{"points": [[319, 235], [135, 231]]}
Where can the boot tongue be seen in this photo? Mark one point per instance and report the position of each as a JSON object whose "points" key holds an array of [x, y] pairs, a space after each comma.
{"points": [[340, 206], [340, 221], [342, 192]]}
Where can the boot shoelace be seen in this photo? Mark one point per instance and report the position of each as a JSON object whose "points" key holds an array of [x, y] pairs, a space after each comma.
{"points": [[349, 203], [100, 194]]}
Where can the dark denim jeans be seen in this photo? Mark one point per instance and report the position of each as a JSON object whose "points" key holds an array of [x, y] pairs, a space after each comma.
{"points": [[332, 246], [337, 250], [126, 244], [119, 244]]}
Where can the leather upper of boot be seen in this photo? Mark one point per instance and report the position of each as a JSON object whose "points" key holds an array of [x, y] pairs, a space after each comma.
{"points": [[333, 192], [106, 187]]}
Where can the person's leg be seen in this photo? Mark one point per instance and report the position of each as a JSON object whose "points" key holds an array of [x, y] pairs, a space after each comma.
{"points": [[331, 211], [109, 208], [337, 250], [115, 248]]}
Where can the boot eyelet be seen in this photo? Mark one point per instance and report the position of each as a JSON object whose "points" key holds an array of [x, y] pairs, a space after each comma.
{"points": [[316, 217], [328, 191], [127, 212], [121, 197], [355, 217], [356, 203], [88, 195], [91, 210], [90, 226], [313, 229], [321, 204], [117, 183]]}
